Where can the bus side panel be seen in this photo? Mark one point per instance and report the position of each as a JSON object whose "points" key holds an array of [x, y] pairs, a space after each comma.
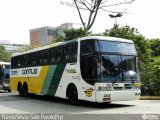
{"points": [[48, 79], [35, 84], [65, 80], [54, 83], [14, 82], [70, 76]]}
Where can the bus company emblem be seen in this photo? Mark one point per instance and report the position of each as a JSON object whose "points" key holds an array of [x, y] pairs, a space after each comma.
{"points": [[29, 71], [89, 92]]}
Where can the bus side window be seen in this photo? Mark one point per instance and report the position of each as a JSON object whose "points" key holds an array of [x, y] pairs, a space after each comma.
{"points": [[19, 64], [46, 56], [73, 55], [67, 51], [13, 62], [33, 58], [57, 54], [53, 55], [25, 60]]}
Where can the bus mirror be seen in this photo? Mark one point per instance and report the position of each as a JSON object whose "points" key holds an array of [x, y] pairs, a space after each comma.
{"points": [[139, 64]]}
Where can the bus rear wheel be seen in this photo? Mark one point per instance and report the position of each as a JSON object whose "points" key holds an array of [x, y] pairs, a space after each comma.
{"points": [[20, 90], [25, 90], [72, 95]]}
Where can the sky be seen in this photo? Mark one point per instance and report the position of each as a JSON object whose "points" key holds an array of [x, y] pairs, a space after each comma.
{"points": [[17, 17]]}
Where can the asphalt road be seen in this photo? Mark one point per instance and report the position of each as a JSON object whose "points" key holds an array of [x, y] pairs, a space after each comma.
{"points": [[11, 103]]}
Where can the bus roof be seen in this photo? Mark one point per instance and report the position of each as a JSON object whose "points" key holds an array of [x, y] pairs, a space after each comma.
{"points": [[74, 40], [46, 47], [4, 63], [107, 38]]}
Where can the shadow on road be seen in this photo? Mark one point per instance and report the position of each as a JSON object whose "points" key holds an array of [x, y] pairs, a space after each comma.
{"points": [[81, 103], [45, 104]]}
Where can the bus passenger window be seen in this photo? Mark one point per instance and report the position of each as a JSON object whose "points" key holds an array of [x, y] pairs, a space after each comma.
{"points": [[19, 63], [53, 55], [66, 52], [58, 54], [73, 55]]}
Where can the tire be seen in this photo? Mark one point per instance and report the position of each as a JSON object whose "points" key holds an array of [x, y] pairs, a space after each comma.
{"points": [[9, 90], [19, 89], [25, 90], [72, 95]]}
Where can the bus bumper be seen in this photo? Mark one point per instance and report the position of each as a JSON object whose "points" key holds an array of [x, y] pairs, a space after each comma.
{"points": [[110, 96]]}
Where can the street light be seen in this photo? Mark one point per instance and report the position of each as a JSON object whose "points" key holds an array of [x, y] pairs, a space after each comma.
{"points": [[115, 16]]}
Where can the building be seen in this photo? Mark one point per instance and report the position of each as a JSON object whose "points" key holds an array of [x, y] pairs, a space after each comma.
{"points": [[42, 36], [10, 47], [45, 35], [62, 27]]}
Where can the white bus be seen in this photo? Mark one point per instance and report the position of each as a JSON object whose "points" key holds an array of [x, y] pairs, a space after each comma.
{"points": [[94, 68], [5, 76]]}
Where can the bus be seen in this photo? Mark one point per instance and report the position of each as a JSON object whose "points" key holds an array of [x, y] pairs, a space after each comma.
{"points": [[76, 70], [4, 76]]}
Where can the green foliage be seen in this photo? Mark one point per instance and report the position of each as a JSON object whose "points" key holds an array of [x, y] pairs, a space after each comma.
{"points": [[155, 76], [58, 38], [71, 34], [74, 33], [26, 48], [155, 46], [150, 77], [4, 54], [126, 32]]}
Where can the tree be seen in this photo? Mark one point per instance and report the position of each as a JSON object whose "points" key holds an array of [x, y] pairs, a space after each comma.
{"points": [[26, 48], [147, 50], [4, 54], [75, 33], [155, 46], [92, 7], [142, 45], [71, 34]]}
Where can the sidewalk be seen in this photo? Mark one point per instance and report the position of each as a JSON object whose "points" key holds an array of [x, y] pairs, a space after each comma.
{"points": [[150, 98]]}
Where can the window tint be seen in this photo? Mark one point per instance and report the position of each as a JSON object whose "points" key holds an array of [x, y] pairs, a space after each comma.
{"points": [[74, 50], [70, 52], [44, 57], [87, 46], [33, 59], [25, 60], [110, 46], [59, 54], [67, 52], [54, 55]]}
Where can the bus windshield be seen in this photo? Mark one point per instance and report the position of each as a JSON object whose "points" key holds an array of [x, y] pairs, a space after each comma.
{"points": [[115, 68], [118, 47]]}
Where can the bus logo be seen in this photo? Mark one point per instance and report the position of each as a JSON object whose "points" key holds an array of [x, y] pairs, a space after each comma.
{"points": [[89, 92]]}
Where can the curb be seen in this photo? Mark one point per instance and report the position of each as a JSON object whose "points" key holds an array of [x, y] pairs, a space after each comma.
{"points": [[149, 98]]}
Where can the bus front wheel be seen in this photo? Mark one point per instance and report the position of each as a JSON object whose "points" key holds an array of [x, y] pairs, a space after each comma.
{"points": [[72, 95]]}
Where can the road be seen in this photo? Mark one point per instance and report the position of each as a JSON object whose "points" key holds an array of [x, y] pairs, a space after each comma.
{"points": [[12, 103]]}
